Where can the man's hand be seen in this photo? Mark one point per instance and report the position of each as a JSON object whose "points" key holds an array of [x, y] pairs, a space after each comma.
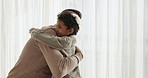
{"points": [[78, 54], [77, 49]]}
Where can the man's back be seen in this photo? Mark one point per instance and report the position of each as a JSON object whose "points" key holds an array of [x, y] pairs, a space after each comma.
{"points": [[31, 63]]}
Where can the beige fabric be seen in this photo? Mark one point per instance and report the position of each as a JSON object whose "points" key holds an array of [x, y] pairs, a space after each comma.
{"points": [[31, 63], [65, 44], [57, 65], [35, 59]]}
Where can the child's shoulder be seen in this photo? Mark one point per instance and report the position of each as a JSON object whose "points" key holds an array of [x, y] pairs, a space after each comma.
{"points": [[70, 39]]}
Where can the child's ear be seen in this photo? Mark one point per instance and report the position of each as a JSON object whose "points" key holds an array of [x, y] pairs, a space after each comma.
{"points": [[70, 31]]}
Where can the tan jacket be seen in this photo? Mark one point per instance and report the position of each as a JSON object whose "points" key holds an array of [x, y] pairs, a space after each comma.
{"points": [[36, 59], [65, 44]]}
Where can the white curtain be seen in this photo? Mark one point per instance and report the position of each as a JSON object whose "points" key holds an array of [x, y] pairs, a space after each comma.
{"points": [[113, 34], [146, 39]]}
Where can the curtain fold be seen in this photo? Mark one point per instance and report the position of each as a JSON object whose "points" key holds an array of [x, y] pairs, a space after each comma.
{"points": [[145, 38], [112, 36]]}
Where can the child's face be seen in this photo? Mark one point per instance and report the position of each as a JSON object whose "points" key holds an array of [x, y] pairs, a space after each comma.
{"points": [[61, 29]]}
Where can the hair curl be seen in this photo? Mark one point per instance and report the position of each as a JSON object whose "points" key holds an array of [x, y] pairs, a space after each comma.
{"points": [[73, 10]]}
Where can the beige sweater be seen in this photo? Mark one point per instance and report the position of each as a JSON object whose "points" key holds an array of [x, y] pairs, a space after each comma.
{"points": [[65, 44], [36, 59]]}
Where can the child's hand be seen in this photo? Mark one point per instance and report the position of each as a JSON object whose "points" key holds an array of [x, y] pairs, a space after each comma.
{"points": [[31, 30]]}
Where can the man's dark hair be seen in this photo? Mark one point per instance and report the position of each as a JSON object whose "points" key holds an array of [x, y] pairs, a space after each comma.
{"points": [[69, 21], [75, 11]]}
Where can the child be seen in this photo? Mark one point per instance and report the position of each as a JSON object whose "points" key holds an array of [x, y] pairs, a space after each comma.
{"points": [[61, 36]]}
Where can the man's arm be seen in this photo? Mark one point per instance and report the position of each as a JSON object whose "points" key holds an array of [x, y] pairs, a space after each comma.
{"points": [[59, 65], [53, 41]]}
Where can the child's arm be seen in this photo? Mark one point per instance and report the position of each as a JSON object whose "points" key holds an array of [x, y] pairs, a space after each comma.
{"points": [[51, 40]]}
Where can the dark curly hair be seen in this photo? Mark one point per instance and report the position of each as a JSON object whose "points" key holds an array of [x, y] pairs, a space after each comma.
{"points": [[73, 10], [69, 21]]}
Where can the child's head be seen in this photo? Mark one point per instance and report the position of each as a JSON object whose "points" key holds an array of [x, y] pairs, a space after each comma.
{"points": [[67, 23], [73, 11]]}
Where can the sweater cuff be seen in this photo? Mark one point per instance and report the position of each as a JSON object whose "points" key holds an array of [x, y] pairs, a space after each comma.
{"points": [[79, 56]]}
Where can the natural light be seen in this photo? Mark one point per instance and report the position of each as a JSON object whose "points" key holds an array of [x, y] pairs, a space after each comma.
{"points": [[113, 34]]}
